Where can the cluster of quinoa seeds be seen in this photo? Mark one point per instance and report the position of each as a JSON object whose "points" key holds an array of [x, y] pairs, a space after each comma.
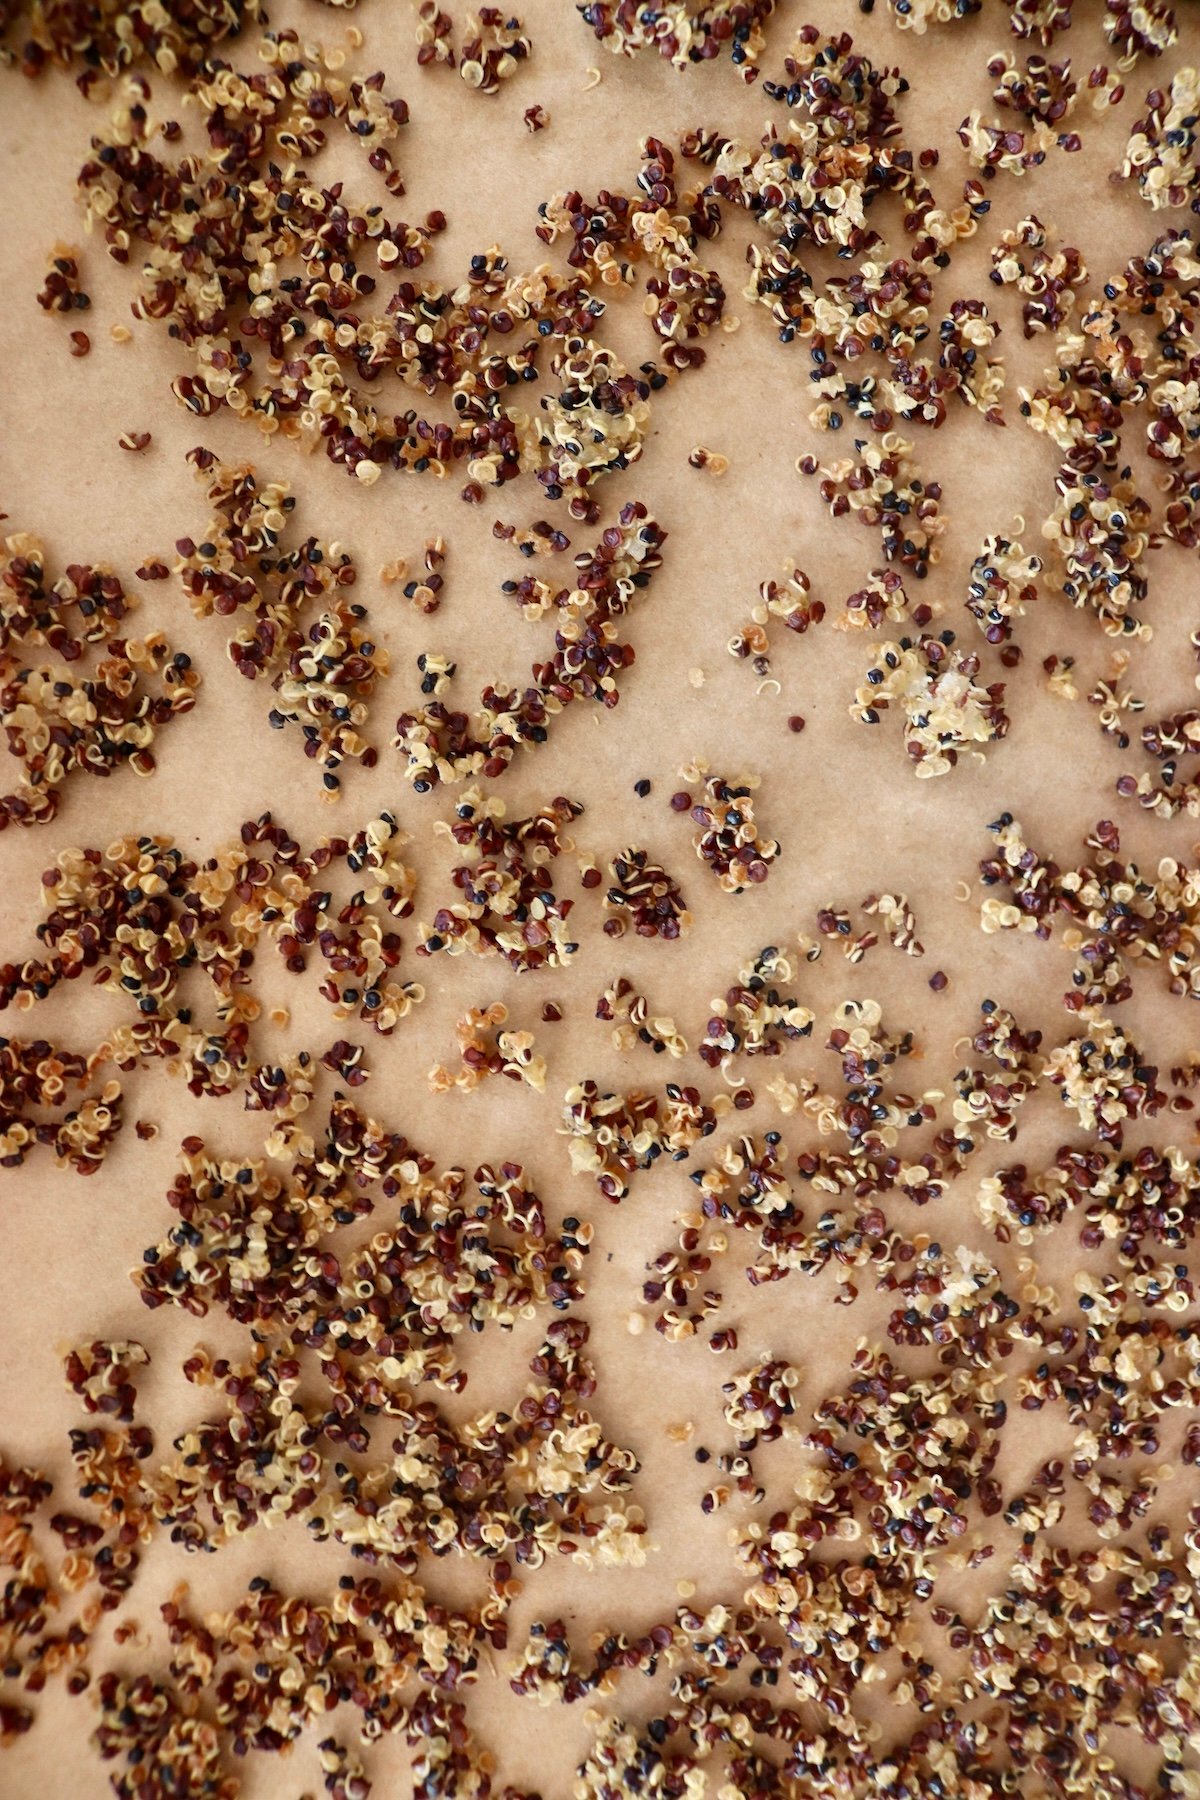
{"points": [[930, 1527]]}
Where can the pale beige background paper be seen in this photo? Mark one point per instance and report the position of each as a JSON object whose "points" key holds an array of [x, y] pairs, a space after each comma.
{"points": [[850, 816]]}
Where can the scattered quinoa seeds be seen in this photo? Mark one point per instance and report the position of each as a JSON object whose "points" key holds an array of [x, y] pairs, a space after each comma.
{"points": [[357, 1268], [63, 289]]}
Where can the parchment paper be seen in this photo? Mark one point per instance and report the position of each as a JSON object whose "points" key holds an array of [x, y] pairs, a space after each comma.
{"points": [[850, 815]]}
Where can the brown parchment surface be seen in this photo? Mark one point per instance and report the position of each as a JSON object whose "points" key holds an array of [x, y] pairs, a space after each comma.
{"points": [[844, 803]]}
